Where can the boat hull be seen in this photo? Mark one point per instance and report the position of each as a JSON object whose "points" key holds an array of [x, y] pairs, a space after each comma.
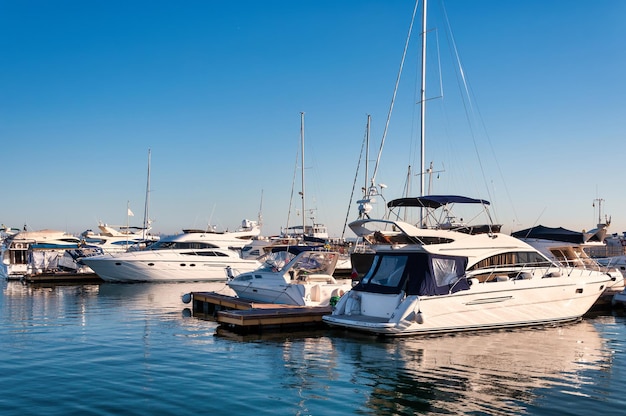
{"points": [[484, 306], [291, 293], [169, 267]]}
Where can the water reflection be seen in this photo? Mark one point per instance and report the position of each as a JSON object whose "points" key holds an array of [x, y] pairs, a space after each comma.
{"points": [[491, 372], [140, 328]]}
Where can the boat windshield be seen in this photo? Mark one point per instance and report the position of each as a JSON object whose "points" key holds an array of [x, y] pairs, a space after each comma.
{"points": [[274, 262], [388, 272], [315, 262]]}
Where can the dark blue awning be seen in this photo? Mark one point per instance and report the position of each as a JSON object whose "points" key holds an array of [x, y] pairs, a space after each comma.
{"points": [[434, 201], [552, 234]]}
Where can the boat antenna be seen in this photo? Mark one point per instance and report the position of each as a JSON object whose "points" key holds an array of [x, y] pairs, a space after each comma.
{"points": [[599, 200]]}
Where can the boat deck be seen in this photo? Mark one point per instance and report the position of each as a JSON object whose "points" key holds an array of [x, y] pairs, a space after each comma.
{"points": [[244, 314]]}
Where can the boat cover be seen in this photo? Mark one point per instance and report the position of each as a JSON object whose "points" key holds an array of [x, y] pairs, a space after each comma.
{"points": [[552, 234], [423, 275]]}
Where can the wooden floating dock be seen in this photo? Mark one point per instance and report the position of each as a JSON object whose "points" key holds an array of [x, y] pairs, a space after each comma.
{"points": [[61, 277], [244, 314]]}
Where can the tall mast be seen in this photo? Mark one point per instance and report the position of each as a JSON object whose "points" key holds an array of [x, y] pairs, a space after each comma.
{"points": [[423, 99], [302, 193], [423, 108], [367, 156], [146, 214]]}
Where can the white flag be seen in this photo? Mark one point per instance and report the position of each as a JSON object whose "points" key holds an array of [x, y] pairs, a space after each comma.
{"points": [[130, 213]]}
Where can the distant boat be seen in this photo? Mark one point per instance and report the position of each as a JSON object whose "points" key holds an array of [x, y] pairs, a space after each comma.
{"points": [[36, 252], [568, 248], [118, 239], [194, 255]]}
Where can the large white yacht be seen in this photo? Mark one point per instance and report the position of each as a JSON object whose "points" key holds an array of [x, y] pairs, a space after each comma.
{"points": [[194, 255], [446, 276]]}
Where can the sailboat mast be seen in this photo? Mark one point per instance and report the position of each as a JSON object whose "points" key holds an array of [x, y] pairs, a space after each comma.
{"points": [[367, 156], [146, 214], [423, 99], [302, 178]]}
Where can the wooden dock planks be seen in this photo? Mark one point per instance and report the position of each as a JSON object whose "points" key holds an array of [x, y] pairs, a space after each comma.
{"points": [[242, 313]]}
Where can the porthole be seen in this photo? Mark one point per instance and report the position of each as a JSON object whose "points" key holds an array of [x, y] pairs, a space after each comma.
{"points": [[118, 264], [150, 264], [182, 264]]}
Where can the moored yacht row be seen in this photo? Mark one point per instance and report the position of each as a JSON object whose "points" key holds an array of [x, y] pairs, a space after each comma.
{"points": [[431, 276]]}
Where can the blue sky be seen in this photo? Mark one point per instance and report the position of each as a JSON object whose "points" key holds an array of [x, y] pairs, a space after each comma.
{"points": [[215, 90]]}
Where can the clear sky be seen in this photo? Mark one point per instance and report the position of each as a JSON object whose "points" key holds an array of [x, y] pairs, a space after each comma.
{"points": [[215, 90]]}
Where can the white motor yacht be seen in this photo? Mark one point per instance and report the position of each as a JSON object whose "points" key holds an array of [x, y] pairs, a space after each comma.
{"points": [[35, 252], [446, 277], [303, 279], [194, 255], [569, 248]]}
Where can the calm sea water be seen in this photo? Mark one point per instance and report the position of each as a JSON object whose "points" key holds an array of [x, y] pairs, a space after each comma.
{"points": [[115, 349]]}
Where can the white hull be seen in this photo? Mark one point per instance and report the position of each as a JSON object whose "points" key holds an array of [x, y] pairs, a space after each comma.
{"points": [[291, 293], [165, 266], [304, 280], [489, 305]]}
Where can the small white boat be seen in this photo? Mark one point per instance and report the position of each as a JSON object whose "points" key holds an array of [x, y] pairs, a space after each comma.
{"points": [[305, 279], [447, 279], [194, 255]]}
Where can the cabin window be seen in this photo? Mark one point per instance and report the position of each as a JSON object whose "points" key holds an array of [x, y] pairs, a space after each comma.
{"points": [[512, 259], [446, 271]]}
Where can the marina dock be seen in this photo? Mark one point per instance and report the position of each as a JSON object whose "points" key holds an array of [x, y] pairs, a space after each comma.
{"points": [[60, 277], [243, 314]]}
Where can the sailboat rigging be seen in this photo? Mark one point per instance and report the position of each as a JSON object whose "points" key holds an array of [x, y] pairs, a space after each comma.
{"points": [[316, 232], [146, 214]]}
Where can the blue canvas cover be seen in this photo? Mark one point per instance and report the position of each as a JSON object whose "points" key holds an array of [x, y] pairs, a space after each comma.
{"points": [[421, 274]]}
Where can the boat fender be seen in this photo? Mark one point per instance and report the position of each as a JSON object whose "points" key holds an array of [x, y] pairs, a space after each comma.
{"points": [[229, 273], [186, 298], [418, 317], [338, 293]]}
